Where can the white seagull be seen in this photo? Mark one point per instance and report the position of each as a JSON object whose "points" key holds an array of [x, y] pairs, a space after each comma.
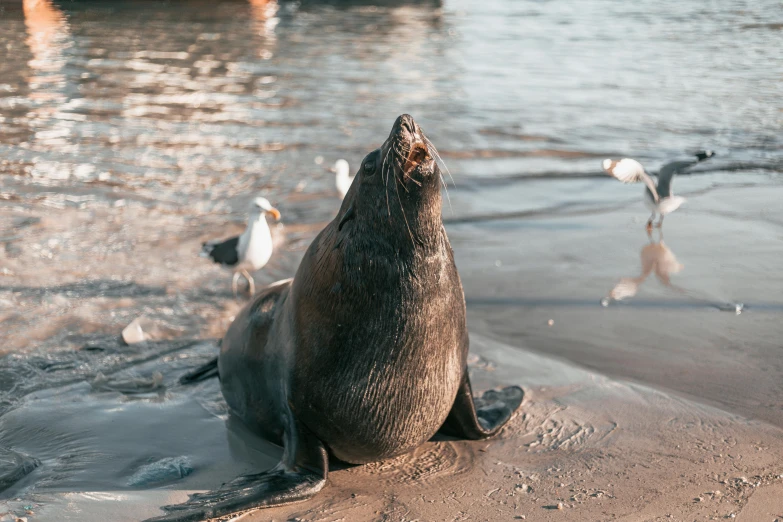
{"points": [[248, 252], [660, 198], [343, 178]]}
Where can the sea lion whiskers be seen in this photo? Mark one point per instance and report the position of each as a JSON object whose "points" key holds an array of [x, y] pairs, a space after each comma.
{"points": [[402, 209], [408, 172], [434, 151], [398, 161], [413, 156], [397, 158], [442, 163]]}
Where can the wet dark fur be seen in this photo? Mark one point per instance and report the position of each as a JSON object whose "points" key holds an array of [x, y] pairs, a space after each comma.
{"points": [[375, 316]]}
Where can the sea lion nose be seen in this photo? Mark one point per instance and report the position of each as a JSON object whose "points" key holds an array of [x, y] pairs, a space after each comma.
{"points": [[405, 121]]}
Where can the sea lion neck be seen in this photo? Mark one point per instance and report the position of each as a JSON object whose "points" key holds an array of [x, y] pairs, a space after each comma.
{"points": [[403, 229]]}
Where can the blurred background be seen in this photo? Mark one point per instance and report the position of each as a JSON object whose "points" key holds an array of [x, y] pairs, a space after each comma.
{"points": [[199, 103]]}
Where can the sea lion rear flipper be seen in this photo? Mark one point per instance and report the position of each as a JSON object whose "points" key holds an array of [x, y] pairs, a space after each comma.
{"points": [[275, 487], [483, 417]]}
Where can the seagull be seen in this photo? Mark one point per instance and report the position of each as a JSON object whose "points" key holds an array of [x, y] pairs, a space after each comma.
{"points": [[659, 199], [343, 178], [249, 251]]}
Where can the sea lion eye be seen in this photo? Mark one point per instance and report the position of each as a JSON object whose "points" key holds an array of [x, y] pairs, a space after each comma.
{"points": [[369, 167]]}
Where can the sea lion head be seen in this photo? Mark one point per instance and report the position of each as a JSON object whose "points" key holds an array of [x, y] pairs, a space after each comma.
{"points": [[396, 192]]}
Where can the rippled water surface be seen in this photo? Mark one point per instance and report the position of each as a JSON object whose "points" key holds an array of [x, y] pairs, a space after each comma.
{"points": [[187, 102], [132, 130]]}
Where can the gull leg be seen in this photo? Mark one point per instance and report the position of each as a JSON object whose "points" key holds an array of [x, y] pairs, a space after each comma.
{"points": [[251, 284], [234, 284], [660, 223], [650, 223]]}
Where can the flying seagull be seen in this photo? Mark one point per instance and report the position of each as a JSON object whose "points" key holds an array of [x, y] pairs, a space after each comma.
{"points": [[343, 178], [660, 198], [248, 252]]}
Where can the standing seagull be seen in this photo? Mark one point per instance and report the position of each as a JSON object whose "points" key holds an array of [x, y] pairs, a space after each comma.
{"points": [[659, 199], [343, 178], [249, 251]]}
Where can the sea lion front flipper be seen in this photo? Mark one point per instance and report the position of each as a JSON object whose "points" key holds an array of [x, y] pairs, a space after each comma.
{"points": [[483, 417], [202, 373], [275, 487]]}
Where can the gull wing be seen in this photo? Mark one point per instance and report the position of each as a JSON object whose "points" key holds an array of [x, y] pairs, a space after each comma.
{"points": [[223, 252], [629, 170]]}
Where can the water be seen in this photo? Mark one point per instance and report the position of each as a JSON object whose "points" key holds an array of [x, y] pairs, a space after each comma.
{"points": [[131, 131], [185, 103]]}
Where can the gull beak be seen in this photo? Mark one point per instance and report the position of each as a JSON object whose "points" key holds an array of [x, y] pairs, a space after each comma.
{"points": [[275, 213]]}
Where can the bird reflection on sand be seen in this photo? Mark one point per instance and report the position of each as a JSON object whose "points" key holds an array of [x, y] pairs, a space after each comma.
{"points": [[658, 258]]}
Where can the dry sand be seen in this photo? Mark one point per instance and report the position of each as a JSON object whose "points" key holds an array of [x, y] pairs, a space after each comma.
{"points": [[664, 408]]}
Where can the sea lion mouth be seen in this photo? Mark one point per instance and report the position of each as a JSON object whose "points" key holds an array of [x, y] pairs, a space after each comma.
{"points": [[417, 155], [409, 151]]}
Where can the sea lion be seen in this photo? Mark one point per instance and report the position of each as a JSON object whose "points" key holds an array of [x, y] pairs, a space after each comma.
{"points": [[363, 353]]}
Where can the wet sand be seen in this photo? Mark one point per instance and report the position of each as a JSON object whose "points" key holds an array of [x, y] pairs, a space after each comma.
{"points": [[600, 448], [658, 407], [728, 241]]}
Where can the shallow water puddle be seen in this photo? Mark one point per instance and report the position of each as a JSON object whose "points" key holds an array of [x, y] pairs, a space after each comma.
{"points": [[91, 446]]}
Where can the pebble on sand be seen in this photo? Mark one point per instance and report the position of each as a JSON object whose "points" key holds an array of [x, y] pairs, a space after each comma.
{"points": [[133, 333]]}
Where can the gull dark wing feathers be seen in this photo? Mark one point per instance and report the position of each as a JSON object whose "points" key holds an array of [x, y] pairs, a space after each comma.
{"points": [[223, 252], [668, 171], [666, 174], [628, 170]]}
